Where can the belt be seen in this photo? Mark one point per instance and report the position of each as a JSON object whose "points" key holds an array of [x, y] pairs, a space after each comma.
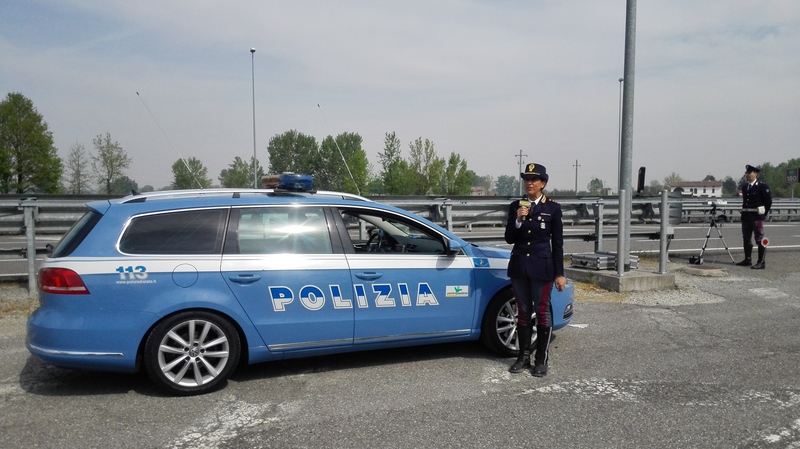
{"points": [[750, 210]]}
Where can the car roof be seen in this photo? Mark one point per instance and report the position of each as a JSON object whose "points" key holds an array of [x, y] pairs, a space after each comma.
{"points": [[234, 193]]}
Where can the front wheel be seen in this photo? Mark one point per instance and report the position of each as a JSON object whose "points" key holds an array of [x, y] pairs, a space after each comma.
{"points": [[499, 327], [192, 352]]}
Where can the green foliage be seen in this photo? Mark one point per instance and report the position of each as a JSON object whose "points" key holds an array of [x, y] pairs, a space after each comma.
{"points": [[337, 164], [729, 187], [595, 186], [124, 186], [190, 175], [28, 160], [507, 185], [775, 177], [457, 179], [293, 152], [395, 170], [342, 164], [240, 174], [426, 168], [109, 163], [655, 187]]}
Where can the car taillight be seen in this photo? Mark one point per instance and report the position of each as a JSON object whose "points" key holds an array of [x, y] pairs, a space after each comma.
{"points": [[61, 280]]}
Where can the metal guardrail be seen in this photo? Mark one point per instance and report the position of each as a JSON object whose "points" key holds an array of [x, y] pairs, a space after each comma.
{"points": [[54, 215]]}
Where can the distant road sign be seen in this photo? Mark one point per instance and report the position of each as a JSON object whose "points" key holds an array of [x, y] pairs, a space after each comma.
{"points": [[791, 175]]}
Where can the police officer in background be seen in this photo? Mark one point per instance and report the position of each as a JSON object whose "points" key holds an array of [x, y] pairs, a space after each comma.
{"points": [[536, 230], [756, 202]]}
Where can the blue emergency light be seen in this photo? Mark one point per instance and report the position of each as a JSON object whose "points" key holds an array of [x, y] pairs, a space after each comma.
{"points": [[295, 182]]}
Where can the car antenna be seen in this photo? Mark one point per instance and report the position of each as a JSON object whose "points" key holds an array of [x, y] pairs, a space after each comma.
{"points": [[170, 142], [340, 150]]}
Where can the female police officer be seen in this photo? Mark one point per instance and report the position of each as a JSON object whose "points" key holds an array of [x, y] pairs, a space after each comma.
{"points": [[535, 229]]}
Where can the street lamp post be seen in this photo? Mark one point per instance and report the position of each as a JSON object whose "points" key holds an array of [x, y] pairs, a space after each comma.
{"points": [[619, 135], [253, 74]]}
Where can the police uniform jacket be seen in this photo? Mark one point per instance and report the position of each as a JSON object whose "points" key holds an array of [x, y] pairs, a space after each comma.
{"points": [[757, 195], [538, 251]]}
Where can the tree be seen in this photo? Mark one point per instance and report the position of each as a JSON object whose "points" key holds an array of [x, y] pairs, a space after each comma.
{"points": [[77, 169], [240, 174], [395, 172], [109, 163], [426, 168], [342, 164], [655, 187], [28, 160], [457, 180], [507, 185], [292, 151], [670, 180], [485, 182], [729, 187], [190, 174], [710, 178], [124, 186], [595, 186]]}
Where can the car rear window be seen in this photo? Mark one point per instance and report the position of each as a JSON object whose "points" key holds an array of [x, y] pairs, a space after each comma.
{"points": [[183, 232], [76, 234]]}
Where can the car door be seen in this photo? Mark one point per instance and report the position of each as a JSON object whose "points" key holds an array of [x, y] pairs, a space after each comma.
{"points": [[405, 284], [280, 263]]}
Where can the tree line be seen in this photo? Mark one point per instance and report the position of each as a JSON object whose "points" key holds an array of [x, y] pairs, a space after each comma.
{"points": [[29, 163]]}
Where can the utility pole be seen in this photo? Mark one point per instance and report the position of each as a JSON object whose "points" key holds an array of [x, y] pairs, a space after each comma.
{"points": [[520, 156], [253, 84], [576, 177]]}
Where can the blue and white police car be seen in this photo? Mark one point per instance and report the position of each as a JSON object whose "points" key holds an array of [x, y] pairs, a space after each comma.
{"points": [[188, 285]]}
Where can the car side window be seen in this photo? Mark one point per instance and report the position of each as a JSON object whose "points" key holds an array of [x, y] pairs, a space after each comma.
{"points": [[182, 232], [279, 230], [375, 232]]}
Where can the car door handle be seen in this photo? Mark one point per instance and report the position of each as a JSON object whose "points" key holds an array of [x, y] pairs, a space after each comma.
{"points": [[369, 275], [245, 278]]}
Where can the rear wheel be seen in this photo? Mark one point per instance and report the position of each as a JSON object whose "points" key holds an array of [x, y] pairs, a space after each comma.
{"points": [[499, 327], [192, 352]]}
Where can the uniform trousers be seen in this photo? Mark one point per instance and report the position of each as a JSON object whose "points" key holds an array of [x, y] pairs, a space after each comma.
{"points": [[750, 227], [532, 296]]}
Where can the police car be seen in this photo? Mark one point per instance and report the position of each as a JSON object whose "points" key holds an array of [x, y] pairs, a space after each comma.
{"points": [[189, 285]]}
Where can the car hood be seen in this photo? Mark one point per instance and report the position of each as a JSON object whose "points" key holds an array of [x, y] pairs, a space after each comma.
{"points": [[495, 252]]}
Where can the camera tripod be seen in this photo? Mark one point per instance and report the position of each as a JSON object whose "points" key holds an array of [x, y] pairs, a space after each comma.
{"points": [[712, 225]]}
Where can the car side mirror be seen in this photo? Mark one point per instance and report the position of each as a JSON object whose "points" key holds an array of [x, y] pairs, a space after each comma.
{"points": [[454, 247]]}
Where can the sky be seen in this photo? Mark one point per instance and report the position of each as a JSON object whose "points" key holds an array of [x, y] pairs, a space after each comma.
{"points": [[716, 85]]}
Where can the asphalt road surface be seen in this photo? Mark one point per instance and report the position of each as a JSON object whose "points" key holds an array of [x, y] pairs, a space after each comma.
{"points": [[713, 364]]}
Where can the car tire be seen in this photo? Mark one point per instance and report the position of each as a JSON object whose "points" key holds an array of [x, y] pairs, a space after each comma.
{"points": [[499, 327], [192, 353]]}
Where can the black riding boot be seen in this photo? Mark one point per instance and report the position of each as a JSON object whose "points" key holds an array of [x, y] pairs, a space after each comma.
{"points": [[760, 264], [748, 252], [524, 343], [542, 348]]}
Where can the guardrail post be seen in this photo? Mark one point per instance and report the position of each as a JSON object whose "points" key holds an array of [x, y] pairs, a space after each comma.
{"points": [[623, 225], [30, 212], [448, 215], [598, 225], [662, 253]]}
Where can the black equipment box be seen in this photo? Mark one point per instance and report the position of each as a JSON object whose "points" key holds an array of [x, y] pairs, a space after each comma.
{"points": [[600, 261]]}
